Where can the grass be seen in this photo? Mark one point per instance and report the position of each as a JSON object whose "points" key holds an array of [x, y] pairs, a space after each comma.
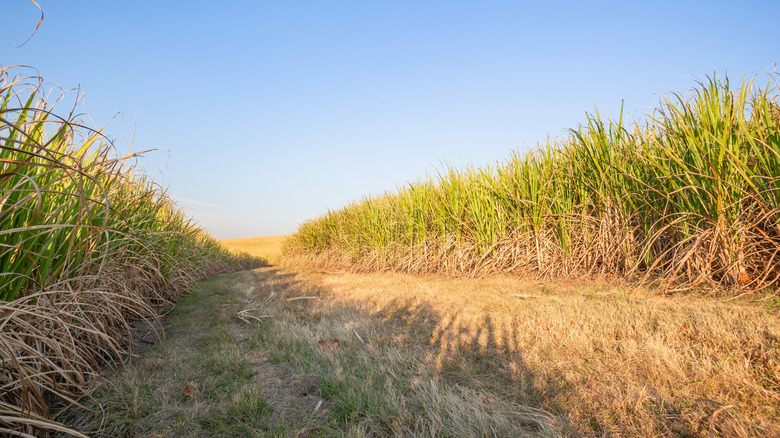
{"points": [[267, 247], [88, 244], [203, 352], [688, 198], [442, 357]]}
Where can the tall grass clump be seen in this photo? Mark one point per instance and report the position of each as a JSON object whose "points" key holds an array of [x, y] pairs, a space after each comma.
{"points": [[87, 244], [688, 196]]}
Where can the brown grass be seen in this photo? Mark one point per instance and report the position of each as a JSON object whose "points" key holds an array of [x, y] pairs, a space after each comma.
{"points": [[478, 357], [605, 359]]}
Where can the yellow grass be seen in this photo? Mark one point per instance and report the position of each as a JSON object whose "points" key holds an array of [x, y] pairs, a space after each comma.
{"points": [[603, 359], [431, 357], [267, 247]]}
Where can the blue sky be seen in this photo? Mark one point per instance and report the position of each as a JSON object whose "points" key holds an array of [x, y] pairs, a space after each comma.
{"points": [[270, 113]]}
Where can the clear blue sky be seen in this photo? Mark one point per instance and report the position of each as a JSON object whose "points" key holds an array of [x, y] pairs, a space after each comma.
{"points": [[274, 112]]}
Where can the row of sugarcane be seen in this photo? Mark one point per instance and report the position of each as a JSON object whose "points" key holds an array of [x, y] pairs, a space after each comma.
{"points": [[689, 197], [88, 244]]}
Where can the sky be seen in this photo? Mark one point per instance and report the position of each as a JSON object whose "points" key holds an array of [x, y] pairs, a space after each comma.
{"points": [[266, 114]]}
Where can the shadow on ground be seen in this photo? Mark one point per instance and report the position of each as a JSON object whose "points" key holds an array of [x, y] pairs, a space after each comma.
{"points": [[463, 374]]}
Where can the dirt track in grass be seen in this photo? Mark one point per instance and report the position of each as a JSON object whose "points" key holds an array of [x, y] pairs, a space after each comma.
{"points": [[282, 352]]}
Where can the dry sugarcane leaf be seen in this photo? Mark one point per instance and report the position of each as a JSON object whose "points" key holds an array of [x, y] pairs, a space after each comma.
{"points": [[328, 345], [188, 391]]}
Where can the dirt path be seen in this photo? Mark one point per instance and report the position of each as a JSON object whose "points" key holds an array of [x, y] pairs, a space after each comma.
{"points": [[274, 352]]}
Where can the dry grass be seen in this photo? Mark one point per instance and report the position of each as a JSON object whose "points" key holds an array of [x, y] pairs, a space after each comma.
{"points": [[266, 247], [206, 379], [604, 360], [489, 357]]}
